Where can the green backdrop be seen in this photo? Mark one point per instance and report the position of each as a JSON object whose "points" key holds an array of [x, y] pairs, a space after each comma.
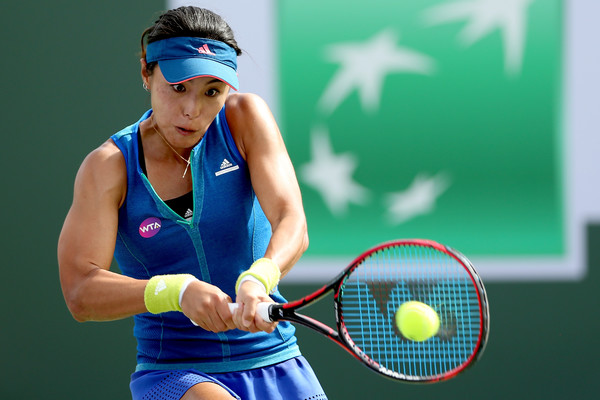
{"points": [[70, 79], [428, 136]]}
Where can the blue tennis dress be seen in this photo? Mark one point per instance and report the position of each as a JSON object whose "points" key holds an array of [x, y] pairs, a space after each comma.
{"points": [[227, 233]]}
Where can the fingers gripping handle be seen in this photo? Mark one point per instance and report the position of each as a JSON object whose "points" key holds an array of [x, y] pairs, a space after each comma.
{"points": [[262, 309]]}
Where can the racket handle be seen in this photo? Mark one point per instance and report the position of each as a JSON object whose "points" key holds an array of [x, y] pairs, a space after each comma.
{"points": [[262, 309]]}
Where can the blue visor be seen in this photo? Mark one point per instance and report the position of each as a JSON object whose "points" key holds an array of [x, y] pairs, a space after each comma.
{"points": [[183, 58]]}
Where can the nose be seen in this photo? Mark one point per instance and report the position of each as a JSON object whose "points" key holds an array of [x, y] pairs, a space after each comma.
{"points": [[192, 107]]}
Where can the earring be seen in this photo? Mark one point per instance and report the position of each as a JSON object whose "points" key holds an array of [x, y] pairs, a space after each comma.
{"points": [[145, 87]]}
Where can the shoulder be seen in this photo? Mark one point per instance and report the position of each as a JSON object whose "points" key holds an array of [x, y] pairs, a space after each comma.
{"points": [[249, 119], [244, 101], [106, 156], [103, 173], [242, 107]]}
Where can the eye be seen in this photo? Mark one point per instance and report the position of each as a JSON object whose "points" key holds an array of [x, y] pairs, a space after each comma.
{"points": [[178, 88], [212, 92]]}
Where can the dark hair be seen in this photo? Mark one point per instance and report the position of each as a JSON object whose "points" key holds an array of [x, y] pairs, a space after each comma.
{"points": [[188, 21]]}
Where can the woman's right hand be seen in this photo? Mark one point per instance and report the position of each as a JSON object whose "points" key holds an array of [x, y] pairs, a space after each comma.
{"points": [[207, 306]]}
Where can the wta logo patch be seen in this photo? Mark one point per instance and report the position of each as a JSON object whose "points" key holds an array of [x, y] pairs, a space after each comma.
{"points": [[149, 227]]}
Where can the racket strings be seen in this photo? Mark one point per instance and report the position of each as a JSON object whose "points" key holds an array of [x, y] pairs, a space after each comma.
{"points": [[394, 275]]}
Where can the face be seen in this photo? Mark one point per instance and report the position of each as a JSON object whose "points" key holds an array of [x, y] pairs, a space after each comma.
{"points": [[184, 111]]}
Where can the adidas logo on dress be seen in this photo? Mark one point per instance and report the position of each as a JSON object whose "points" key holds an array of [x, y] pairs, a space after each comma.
{"points": [[226, 166]]}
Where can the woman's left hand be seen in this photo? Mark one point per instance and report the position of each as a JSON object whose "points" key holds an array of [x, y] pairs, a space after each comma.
{"points": [[245, 317]]}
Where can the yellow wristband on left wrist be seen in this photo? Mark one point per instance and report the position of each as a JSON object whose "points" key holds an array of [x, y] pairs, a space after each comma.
{"points": [[265, 270]]}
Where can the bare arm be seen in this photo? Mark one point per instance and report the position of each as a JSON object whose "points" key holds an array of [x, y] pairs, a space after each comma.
{"points": [[273, 177], [274, 182], [87, 242]]}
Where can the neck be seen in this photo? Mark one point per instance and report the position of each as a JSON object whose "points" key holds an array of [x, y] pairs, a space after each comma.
{"points": [[187, 161]]}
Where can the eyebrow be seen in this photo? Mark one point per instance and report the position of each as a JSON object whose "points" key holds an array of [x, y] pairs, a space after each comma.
{"points": [[214, 80]]}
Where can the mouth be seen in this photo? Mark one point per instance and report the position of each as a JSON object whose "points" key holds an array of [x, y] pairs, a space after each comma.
{"points": [[185, 131]]}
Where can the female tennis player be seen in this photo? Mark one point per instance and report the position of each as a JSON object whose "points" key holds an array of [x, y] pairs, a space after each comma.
{"points": [[199, 204]]}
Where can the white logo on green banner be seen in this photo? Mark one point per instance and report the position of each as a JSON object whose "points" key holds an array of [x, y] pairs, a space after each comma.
{"points": [[433, 119]]}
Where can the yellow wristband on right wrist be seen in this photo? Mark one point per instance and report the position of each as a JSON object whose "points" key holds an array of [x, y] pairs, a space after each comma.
{"points": [[162, 292], [265, 270]]}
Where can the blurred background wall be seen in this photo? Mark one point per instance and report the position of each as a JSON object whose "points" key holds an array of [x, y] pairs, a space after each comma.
{"points": [[489, 129]]}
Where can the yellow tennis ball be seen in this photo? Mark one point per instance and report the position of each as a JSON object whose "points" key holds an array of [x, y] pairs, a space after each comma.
{"points": [[417, 321]]}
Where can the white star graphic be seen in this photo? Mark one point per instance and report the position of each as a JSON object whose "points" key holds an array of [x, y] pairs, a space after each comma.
{"points": [[331, 174], [364, 66], [418, 199], [484, 16]]}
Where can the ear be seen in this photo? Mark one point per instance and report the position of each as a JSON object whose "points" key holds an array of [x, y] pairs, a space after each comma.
{"points": [[145, 76]]}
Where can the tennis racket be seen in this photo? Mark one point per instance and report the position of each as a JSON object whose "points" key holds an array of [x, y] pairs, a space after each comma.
{"points": [[369, 291]]}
